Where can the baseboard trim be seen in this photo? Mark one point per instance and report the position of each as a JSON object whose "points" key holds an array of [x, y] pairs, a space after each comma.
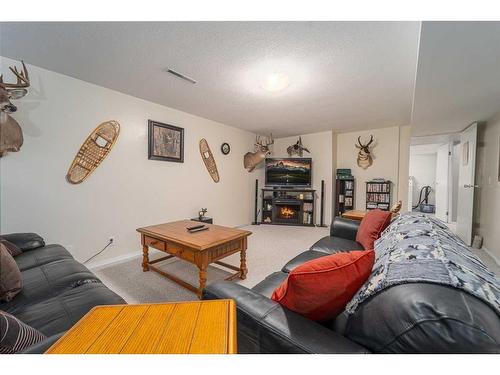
{"points": [[491, 255], [243, 225], [125, 257], [116, 260]]}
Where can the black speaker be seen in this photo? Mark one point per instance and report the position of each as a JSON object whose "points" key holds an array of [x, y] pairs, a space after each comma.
{"points": [[256, 212], [322, 206]]}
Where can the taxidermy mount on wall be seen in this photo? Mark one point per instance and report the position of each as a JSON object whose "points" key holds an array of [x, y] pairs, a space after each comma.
{"points": [[297, 149], [11, 134], [252, 159], [364, 155]]}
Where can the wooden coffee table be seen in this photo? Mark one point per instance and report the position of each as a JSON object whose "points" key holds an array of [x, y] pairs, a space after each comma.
{"points": [[204, 327], [200, 248]]}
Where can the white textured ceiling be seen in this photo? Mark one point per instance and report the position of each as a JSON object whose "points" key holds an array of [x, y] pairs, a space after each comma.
{"points": [[344, 75], [458, 76]]}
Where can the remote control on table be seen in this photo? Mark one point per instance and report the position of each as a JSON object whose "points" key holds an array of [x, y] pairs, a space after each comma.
{"points": [[198, 230], [195, 227]]}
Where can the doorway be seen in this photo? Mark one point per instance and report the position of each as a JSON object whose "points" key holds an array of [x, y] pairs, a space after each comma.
{"points": [[433, 182]]}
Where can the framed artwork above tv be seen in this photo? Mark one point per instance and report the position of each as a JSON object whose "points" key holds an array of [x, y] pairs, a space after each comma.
{"points": [[288, 172]]}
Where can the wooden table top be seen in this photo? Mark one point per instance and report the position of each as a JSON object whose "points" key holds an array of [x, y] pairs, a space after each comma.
{"points": [[177, 232], [198, 327], [354, 214], [359, 215]]}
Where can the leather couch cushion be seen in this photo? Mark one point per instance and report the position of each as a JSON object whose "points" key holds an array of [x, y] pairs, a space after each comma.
{"points": [[344, 228], [300, 259], [267, 286], [320, 289], [10, 276], [46, 281], [25, 241], [332, 245], [60, 312], [424, 318], [374, 222], [41, 256]]}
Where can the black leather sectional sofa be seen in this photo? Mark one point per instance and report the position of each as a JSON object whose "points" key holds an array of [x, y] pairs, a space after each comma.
{"points": [[408, 318], [57, 290]]}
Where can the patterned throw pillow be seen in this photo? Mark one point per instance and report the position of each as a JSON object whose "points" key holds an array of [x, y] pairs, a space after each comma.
{"points": [[11, 281], [13, 249], [15, 335]]}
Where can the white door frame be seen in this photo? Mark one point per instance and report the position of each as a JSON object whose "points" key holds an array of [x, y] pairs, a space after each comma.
{"points": [[442, 193], [467, 183]]}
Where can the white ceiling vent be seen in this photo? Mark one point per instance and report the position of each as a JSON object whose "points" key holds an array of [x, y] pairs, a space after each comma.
{"points": [[181, 76]]}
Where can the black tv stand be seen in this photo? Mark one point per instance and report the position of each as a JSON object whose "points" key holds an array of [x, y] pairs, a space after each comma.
{"points": [[288, 206]]}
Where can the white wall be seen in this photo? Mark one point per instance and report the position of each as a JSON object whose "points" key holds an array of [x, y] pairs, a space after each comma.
{"points": [[320, 146], [423, 170], [487, 197], [127, 190], [390, 160]]}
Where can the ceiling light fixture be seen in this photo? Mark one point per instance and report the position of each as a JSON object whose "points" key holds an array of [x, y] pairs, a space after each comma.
{"points": [[275, 82], [181, 76]]}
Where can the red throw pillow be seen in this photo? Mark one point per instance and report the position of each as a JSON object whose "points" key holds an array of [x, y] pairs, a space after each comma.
{"points": [[320, 289], [373, 224]]}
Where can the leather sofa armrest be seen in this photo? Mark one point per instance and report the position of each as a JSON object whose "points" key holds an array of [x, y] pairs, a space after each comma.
{"points": [[25, 241], [264, 326], [43, 346], [344, 228]]}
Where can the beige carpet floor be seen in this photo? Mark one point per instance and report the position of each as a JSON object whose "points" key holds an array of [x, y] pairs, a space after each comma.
{"points": [[269, 248]]}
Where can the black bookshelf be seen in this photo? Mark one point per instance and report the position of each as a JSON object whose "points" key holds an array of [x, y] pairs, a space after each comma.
{"points": [[378, 195], [344, 195], [288, 206]]}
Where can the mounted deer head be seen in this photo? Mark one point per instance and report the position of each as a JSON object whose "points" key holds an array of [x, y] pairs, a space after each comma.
{"points": [[252, 159], [364, 155], [11, 134], [297, 149]]}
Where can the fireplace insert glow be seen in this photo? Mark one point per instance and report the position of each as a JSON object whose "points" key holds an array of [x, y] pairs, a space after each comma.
{"points": [[287, 212]]}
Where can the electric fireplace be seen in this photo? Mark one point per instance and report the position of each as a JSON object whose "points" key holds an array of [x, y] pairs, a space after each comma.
{"points": [[287, 213]]}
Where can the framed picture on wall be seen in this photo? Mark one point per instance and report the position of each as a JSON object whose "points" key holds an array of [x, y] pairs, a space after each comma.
{"points": [[165, 142]]}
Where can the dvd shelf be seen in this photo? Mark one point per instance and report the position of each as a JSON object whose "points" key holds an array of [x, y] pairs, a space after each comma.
{"points": [[344, 192], [378, 194]]}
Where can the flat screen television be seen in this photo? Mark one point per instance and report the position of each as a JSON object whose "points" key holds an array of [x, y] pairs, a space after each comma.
{"points": [[288, 172]]}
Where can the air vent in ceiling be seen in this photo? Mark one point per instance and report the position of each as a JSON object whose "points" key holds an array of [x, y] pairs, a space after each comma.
{"points": [[181, 76]]}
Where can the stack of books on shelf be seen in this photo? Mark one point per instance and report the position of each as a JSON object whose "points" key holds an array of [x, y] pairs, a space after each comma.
{"points": [[378, 194], [378, 188], [383, 198], [307, 207], [307, 218]]}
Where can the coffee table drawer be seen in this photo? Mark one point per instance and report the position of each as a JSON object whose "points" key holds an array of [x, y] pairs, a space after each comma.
{"points": [[153, 242], [180, 252]]}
